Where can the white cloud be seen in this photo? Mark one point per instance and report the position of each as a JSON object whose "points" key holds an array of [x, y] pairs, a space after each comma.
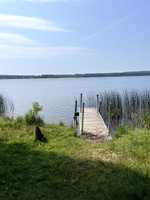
{"points": [[29, 23], [18, 46], [40, 52], [15, 39]]}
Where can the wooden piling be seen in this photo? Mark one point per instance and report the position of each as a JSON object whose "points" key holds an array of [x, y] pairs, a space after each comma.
{"points": [[97, 102], [100, 103], [82, 119], [109, 118], [75, 117], [75, 106], [81, 102]]}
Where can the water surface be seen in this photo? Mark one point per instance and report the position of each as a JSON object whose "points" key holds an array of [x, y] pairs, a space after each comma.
{"points": [[57, 96]]}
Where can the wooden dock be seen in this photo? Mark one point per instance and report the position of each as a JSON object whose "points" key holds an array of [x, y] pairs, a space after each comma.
{"points": [[91, 123]]}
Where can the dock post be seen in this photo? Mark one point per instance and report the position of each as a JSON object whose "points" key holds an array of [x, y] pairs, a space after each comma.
{"points": [[75, 106], [109, 119], [82, 119], [75, 117], [100, 103], [81, 102], [97, 102]]}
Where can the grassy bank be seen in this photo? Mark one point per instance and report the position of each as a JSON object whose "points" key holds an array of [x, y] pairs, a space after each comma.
{"points": [[66, 167]]}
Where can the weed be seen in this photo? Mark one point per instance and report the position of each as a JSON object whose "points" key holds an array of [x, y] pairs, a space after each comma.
{"points": [[61, 123]]}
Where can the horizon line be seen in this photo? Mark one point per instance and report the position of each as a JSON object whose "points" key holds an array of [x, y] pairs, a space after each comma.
{"points": [[126, 73]]}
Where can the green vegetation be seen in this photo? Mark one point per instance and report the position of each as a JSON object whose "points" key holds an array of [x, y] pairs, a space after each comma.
{"points": [[2, 105], [128, 107], [87, 75], [6, 104], [66, 167], [30, 118]]}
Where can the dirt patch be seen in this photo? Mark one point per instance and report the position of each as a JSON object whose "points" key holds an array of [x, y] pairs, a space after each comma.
{"points": [[99, 139]]}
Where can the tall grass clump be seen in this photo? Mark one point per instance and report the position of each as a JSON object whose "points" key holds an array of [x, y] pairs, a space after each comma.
{"points": [[6, 105], [127, 107], [2, 105], [115, 99]]}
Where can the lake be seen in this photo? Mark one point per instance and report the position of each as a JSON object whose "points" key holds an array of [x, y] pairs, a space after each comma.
{"points": [[57, 96]]}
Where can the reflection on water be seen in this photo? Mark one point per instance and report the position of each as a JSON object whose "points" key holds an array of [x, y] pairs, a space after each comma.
{"points": [[57, 96]]}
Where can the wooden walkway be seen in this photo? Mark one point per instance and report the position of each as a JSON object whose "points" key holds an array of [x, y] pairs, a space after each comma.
{"points": [[92, 125]]}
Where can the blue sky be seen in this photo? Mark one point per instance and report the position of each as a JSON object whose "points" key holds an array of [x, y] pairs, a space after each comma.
{"points": [[74, 36]]}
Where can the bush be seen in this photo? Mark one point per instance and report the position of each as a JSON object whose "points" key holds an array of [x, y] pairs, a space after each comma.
{"points": [[32, 118]]}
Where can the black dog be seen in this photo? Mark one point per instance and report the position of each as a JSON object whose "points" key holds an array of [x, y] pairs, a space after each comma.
{"points": [[38, 134]]}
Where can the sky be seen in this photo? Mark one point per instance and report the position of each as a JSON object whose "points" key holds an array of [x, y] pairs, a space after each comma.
{"points": [[74, 36]]}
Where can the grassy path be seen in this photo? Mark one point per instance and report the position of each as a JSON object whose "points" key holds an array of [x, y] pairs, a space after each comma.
{"points": [[68, 168]]}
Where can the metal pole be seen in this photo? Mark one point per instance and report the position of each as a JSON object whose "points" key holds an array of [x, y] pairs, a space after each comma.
{"points": [[109, 119], [81, 102], [82, 119]]}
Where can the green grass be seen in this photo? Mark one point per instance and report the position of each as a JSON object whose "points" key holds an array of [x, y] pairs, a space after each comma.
{"points": [[68, 168]]}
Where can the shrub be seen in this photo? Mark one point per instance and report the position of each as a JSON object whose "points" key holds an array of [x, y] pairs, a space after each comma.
{"points": [[32, 118]]}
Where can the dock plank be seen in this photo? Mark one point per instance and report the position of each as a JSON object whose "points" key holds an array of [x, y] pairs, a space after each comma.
{"points": [[94, 124]]}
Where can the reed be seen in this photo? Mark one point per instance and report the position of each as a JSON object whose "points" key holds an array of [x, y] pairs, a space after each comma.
{"points": [[6, 104], [128, 107], [2, 105]]}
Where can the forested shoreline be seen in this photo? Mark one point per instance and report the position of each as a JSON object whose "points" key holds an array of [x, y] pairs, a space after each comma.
{"points": [[86, 75]]}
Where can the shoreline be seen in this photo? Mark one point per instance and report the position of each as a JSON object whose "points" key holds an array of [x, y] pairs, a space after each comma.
{"points": [[85, 75]]}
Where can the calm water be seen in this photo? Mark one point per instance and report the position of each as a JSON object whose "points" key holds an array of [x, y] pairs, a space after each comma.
{"points": [[57, 96]]}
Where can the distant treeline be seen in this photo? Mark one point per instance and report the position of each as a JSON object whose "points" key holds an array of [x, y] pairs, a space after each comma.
{"points": [[87, 75]]}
